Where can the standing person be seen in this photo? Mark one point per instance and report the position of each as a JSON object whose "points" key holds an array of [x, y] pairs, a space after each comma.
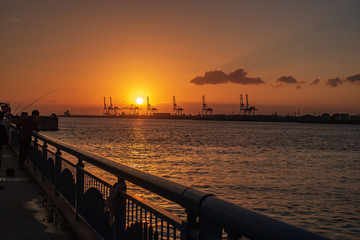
{"points": [[5, 122], [26, 127], [4, 139]]}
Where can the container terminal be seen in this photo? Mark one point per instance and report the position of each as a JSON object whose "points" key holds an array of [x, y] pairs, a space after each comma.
{"points": [[246, 112]]}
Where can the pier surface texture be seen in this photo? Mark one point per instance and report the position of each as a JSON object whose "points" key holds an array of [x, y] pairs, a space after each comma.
{"points": [[27, 212]]}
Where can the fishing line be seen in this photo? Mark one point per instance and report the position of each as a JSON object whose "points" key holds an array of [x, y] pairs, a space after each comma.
{"points": [[42, 97]]}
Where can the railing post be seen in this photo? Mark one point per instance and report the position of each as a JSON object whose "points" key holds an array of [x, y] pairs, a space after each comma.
{"points": [[210, 212], [120, 210], [190, 228], [57, 171], [34, 152], [43, 162], [79, 193], [209, 229]]}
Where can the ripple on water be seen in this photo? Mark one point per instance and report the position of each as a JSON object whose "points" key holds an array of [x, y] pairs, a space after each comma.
{"points": [[305, 174]]}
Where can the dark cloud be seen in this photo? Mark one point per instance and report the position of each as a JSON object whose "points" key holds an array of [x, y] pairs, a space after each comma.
{"points": [[238, 76], [287, 79], [334, 82], [315, 82], [211, 77], [354, 79]]}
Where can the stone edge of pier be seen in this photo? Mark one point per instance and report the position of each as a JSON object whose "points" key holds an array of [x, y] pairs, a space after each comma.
{"points": [[79, 229]]}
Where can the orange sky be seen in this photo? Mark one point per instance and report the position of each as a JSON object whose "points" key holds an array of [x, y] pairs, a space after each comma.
{"points": [[93, 49]]}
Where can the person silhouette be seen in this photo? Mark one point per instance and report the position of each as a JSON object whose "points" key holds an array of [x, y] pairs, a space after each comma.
{"points": [[26, 127], [4, 139]]}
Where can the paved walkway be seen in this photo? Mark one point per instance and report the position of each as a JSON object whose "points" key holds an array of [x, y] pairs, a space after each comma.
{"points": [[25, 213]]}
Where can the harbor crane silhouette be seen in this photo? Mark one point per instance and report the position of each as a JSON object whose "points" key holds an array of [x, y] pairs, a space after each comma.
{"points": [[205, 110], [248, 110], [110, 110], [178, 111], [150, 110]]}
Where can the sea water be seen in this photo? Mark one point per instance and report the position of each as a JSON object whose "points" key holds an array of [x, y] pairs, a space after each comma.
{"points": [[304, 174]]}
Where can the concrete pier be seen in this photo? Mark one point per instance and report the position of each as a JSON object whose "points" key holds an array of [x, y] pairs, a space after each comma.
{"points": [[26, 210]]}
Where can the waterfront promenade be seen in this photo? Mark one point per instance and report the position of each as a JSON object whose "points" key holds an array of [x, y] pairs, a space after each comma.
{"points": [[27, 213]]}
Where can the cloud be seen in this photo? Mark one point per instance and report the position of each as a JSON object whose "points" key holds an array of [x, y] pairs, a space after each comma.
{"points": [[238, 76], [14, 20], [287, 79], [211, 77], [354, 79], [315, 82], [334, 82], [298, 87]]}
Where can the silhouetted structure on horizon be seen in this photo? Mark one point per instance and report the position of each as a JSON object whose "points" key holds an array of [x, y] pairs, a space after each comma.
{"points": [[110, 110], [150, 110], [177, 110], [248, 110], [205, 110]]}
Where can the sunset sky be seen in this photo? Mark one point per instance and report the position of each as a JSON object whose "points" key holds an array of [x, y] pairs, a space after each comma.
{"points": [[287, 55]]}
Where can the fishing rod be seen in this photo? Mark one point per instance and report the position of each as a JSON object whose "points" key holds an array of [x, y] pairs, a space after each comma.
{"points": [[41, 98]]}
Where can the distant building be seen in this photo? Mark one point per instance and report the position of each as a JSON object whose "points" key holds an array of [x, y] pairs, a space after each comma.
{"points": [[67, 113]]}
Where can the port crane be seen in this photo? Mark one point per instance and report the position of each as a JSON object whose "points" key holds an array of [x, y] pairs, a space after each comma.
{"points": [[177, 110], [150, 110], [205, 110], [248, 110], [105, 111], [134, 110], [110, 110]]}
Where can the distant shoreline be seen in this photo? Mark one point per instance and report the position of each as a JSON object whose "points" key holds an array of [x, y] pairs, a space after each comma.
{"points": [[335, 119]]}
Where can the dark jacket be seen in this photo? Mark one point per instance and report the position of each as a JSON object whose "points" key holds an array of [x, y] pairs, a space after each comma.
{"points": [[27, 126]]}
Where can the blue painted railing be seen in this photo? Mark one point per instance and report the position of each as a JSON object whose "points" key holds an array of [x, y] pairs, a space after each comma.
{"points": [[115, 213]]}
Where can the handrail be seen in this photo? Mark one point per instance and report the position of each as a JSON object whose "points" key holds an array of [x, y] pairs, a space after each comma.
{"points": [[251, 224], [231, 216], [163, 187], [213, 212]]}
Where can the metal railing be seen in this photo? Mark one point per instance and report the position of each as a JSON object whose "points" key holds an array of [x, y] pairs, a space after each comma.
{"points": [[113, 212]]}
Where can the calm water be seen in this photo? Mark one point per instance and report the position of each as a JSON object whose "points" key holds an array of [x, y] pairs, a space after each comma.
{"points": [[304, 174]]}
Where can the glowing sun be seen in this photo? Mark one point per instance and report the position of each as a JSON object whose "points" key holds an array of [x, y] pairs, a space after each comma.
{"points": [[139, 100]]}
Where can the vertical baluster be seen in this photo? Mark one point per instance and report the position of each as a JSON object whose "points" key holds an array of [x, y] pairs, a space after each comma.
{"points": [[156, 223], [128, 213], [146, 229], [34, 153], [162, 229], [132, 212], [79, 194], [174, 232], [120, 211], [150, 219], [44, 161], [85, 182], [136, 212], [168, 231], [57, 170]]}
